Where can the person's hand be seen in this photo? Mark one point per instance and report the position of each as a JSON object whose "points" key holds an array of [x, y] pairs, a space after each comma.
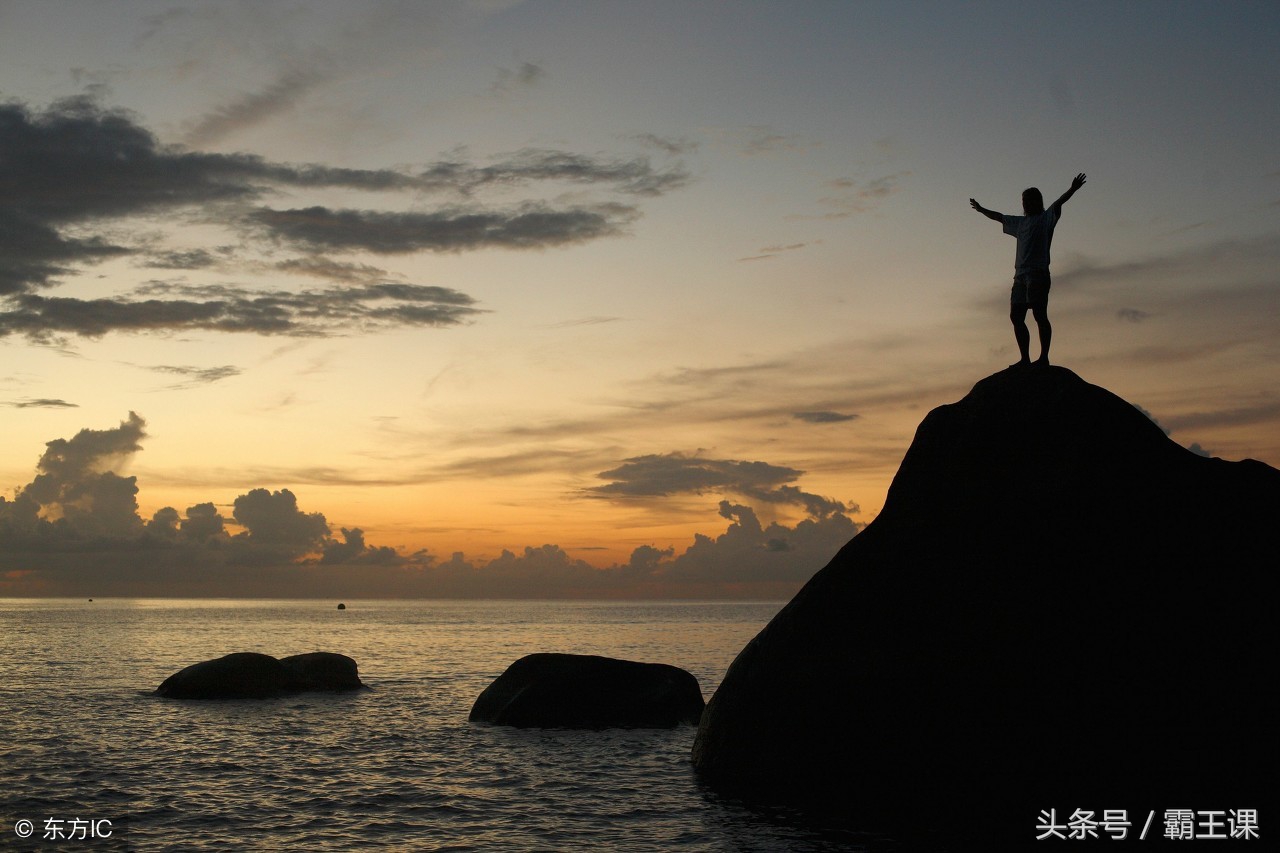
{"points": [[1078, 182], [974, 204]]}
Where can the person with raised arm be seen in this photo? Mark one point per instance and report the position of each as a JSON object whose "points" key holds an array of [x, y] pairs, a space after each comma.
{"points": [[1034, 232]]}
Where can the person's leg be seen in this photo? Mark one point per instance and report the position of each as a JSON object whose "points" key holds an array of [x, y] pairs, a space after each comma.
{"points": [[1018, 316], [1041, 314]]}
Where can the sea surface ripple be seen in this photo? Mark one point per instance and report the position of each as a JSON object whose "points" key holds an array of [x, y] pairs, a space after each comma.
{"points": [[396, 767]]}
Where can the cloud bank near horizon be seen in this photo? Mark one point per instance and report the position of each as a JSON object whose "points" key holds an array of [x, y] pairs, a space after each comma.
{"points": [[661, 475], [75, 529]]}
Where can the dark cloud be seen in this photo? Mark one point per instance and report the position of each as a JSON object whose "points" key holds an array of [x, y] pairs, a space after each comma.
{"points": [[531, 226], [645, 560], [335, 311], [203, 522], [75, 164], [273, 518], [165, 523], [79, 503], [748, 552], [105, 504], [664, 475], [77, 161], [661, 475], [43, 403], [65, 461], [75, 494], [48, 319], [353, 551], [73, 171], [814, 505], [191, 259], [33, 254], [327, 268], [747, 560], [196, 376], [822, 417], [634, 176], [76, 530]]}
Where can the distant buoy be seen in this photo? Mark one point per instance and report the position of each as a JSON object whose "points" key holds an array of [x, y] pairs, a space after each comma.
{"points": [[342, 606], [91, 599]]}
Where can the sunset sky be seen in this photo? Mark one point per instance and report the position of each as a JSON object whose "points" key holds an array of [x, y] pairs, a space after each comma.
{"points": [[581, 282]]}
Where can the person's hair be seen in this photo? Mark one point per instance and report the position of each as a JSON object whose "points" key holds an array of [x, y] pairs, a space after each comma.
{"points": [[1032, 201]]}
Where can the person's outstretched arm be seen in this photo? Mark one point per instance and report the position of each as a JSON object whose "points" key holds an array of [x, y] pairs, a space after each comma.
{"points": [[1075, 185], [990, 214]]}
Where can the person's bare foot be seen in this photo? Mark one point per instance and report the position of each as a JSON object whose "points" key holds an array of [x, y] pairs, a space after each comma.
{"points": [[1042, 361]]}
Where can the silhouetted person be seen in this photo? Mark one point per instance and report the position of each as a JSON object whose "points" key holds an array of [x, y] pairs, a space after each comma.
{"points": [[1034, 231]]}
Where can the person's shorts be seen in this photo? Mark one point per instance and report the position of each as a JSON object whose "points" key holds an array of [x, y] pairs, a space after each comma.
{"points": [[1031, 288]]}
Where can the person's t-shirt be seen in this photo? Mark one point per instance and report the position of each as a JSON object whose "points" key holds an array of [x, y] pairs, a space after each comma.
{"points": [[1034, 234]]}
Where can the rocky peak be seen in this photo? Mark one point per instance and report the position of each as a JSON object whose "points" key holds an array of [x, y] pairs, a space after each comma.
{"points": [[1058, 605]]}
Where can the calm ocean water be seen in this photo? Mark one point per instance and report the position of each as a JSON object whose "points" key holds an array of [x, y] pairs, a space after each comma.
{"points": [[398, 766]]}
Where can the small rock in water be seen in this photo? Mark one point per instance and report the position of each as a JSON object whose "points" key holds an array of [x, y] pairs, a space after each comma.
{"points": [[589, 692], [341, 606], [250, 675]]}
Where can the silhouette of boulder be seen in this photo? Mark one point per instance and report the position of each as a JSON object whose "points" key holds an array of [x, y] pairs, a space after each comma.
{"points": [[323, 671], [589, 692], [1058, 607], [250, 675]]}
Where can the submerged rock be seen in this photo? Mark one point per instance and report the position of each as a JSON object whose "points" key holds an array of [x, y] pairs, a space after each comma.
{"points": [[589, 692], [250, 675], [1058, 607]]}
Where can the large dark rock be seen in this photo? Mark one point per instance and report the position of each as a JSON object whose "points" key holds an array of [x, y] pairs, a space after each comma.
{"points": [[1058, 607], [589, 692], [249, 675]]}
